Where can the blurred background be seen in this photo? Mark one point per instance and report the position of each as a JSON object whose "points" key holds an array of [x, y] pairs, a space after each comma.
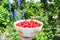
{"points": [[47, 11]]}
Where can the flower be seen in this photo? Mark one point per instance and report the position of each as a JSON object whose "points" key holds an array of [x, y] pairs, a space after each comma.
{"points": [[16, 14], [37, 16], [50, 2], [23, 18], [6, 15], [11, 15], [54, 16], [12, 1], [23, 14], [18, 17], [18, 3], [5, 34], [32, 17], [9, 5]]}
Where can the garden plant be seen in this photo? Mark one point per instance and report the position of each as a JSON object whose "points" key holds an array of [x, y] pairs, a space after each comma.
{"points": [[11, 11]]}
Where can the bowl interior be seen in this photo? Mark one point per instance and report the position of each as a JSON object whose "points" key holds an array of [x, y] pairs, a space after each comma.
{"points": [[27, 20]]}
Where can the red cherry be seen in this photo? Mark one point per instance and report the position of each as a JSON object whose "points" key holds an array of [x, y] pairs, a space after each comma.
{"points": [[18, 24], [28, 24]]}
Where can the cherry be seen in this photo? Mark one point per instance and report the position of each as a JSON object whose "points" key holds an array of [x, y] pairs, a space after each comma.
{"points": [[29, 24]]}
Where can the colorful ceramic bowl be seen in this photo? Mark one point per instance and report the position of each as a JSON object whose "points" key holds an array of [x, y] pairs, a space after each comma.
{"points": [[28, 32]]}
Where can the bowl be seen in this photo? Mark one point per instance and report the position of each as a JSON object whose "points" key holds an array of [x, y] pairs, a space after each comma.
{"points": [[28, 32]]}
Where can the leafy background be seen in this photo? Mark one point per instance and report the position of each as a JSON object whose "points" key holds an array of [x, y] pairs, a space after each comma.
{"points": [[8, 16]]}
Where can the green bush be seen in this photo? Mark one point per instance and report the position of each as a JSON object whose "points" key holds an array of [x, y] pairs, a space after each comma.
{"points": [[49, 30]]}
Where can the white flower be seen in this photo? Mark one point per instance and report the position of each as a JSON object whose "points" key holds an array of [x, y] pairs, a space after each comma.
{"points": [[55, 16], [2, 38], [5, 34], [32, 17], [12, 1], [37, 16]]}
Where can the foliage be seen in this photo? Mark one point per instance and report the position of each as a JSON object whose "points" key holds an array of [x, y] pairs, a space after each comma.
{"points": [[49, 30]]}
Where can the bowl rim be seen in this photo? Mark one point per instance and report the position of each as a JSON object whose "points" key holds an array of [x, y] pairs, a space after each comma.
{"points": [[27, 20]]}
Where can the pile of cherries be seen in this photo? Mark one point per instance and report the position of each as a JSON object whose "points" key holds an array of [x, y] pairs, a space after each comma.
{"points": [[28, 24]]}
